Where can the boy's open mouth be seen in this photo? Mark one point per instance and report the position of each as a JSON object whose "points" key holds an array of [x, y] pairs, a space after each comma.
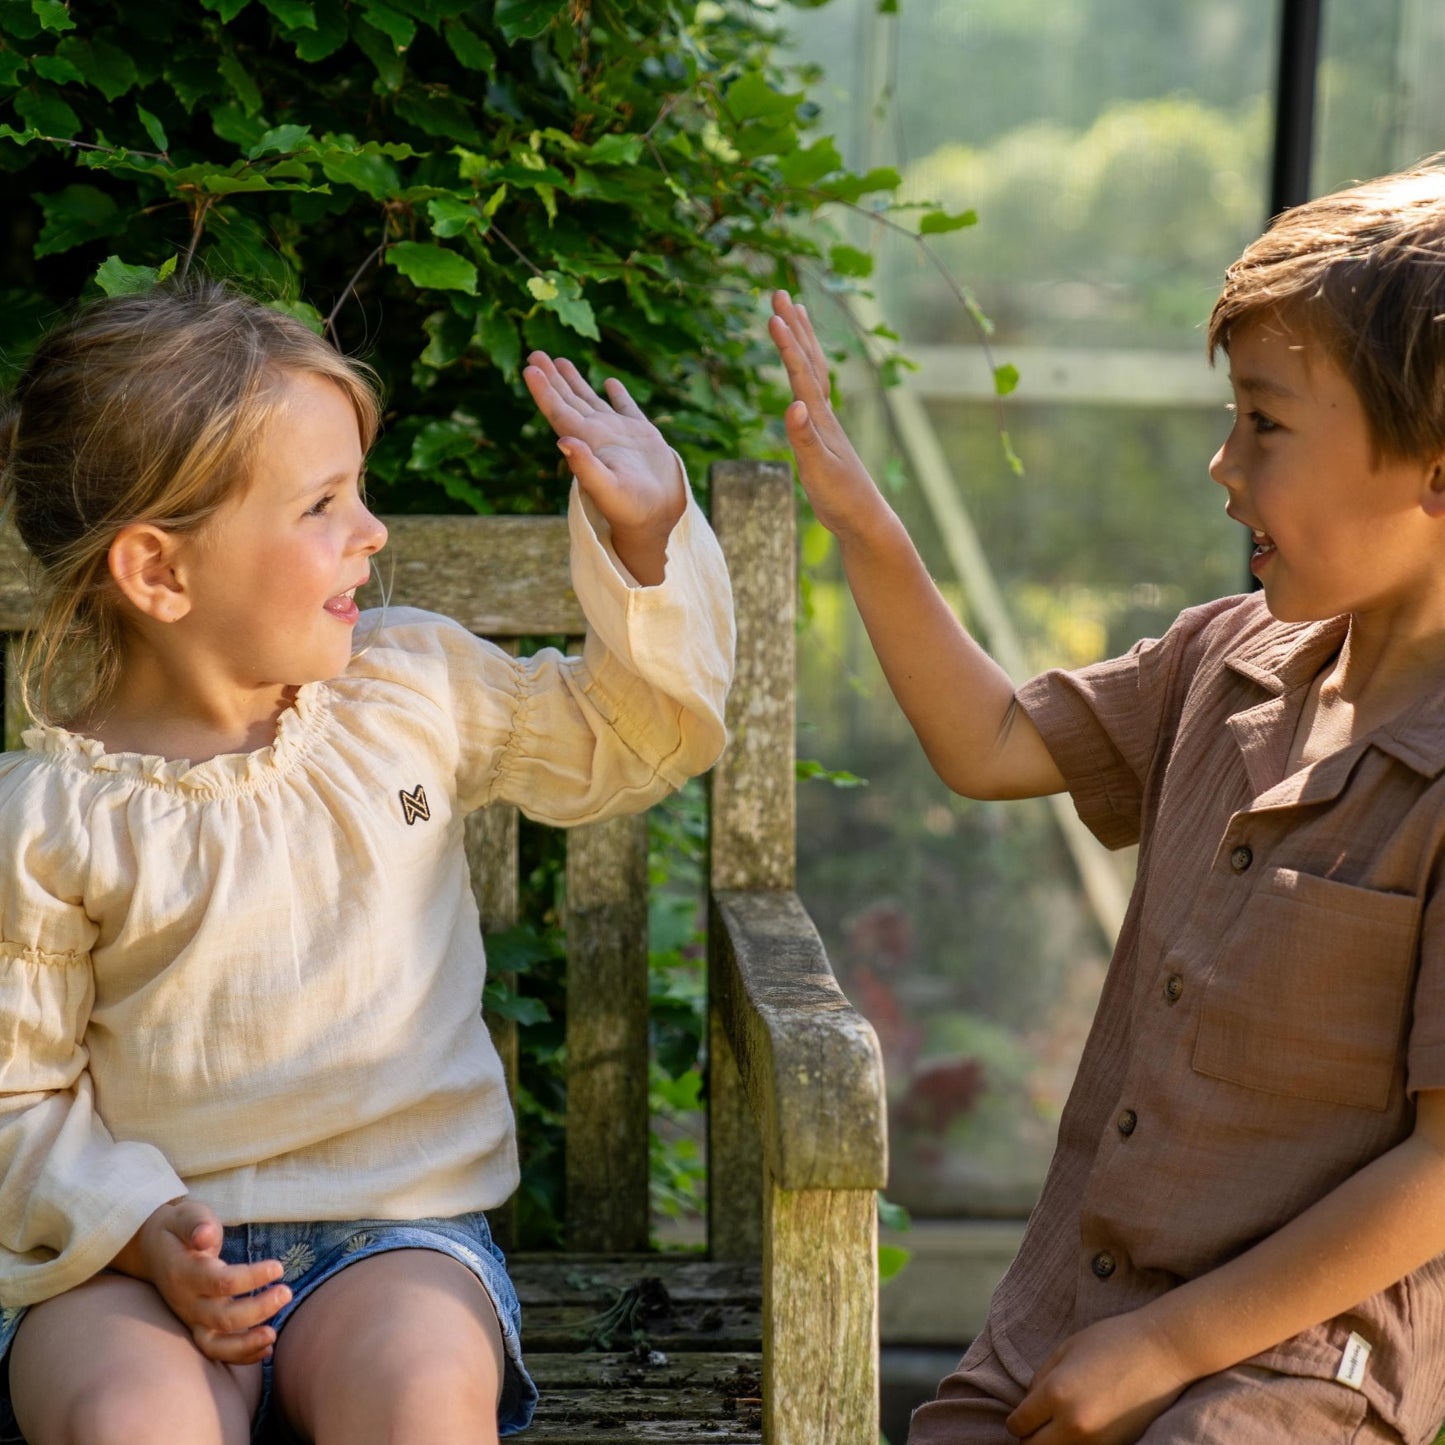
{"points": [[1263, 543]]}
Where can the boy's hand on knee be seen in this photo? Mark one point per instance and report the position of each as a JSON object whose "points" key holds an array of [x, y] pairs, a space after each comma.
{"points": [[178, 1250], [1102, 1386], [619, 458], [842, 493]]}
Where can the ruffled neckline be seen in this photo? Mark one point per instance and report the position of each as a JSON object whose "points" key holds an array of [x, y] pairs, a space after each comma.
{"points": [[225, 773]]}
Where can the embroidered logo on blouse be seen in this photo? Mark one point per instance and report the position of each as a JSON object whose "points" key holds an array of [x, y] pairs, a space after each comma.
{"points": [[414, 806]]}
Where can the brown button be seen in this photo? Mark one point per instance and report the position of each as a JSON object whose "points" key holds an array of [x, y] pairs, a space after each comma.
{"points": [[1173, 988], [1103, 1264], [1128, 1121], [1241, 858]]}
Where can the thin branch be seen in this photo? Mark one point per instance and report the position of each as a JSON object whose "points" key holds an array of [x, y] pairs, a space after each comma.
{"points": [[198, 224], [330, 322], [85, 145], [531, 265]]}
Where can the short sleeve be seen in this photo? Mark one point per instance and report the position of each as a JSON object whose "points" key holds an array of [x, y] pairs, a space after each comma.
{"points": [[1105, 725], [70, 1195]]}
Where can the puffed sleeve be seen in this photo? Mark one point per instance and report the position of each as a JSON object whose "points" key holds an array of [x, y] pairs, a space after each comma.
{"points": [[639, 712], [70, 1195]]}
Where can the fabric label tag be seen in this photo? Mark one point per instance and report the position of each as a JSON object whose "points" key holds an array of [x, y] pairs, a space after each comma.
{"points": [[1353, 1362]]}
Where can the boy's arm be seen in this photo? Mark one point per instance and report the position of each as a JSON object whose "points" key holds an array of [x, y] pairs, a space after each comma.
{"points": [[959, 701], [1106, 1383]]}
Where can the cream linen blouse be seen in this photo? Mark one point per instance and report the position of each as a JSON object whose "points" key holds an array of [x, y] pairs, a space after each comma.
{"points": [[257, 978]]}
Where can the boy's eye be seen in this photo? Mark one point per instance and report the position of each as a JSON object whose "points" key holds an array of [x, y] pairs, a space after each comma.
{"points": [[1261, 423], [320, 508]]}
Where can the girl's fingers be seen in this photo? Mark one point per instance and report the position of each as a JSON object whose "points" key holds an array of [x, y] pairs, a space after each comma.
{"points": [[621, 400], [554, 404], [580, 387], [589, 471], [249, 1347]]}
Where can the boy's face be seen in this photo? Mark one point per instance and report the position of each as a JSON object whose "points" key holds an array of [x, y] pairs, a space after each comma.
{"points": [[1336, 529]]}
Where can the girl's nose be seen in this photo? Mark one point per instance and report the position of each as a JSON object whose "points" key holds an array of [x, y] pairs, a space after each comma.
{"points": [[372, 532]]}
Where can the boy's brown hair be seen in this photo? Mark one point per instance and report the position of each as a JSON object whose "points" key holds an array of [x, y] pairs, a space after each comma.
{"points": [[1362, 271], [143, 408]]}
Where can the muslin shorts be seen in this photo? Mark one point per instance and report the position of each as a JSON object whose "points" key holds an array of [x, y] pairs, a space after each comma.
{"points": [[312, 1252]]}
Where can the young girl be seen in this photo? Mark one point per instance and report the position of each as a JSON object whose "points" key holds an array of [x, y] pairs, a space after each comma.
{"points": [[249, 1113]]}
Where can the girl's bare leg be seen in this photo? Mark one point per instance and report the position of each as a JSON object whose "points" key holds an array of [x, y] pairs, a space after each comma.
{"points": [[400, 1347], [107, 1363]]}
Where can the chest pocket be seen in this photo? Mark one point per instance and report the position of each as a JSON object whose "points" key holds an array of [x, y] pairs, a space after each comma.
{"points": [[1310, 992]]}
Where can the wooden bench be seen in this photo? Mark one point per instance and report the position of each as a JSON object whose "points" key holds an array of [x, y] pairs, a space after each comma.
{"points": [[772, 1335]]}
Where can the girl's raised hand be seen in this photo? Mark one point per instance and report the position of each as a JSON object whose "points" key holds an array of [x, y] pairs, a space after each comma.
{"points": [[178, 1249], [837, 483], [619, 458]]}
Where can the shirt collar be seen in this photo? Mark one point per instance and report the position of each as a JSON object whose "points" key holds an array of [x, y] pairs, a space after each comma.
{"points": [[1286, 656]]}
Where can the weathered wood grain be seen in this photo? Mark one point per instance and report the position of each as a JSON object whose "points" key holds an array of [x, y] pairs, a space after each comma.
{"points": [[14, 718], [14, 582], [753, 783], [595, 1278], [809, 1061], [607, 1119], [751, 805], [820, 1317], [700, 1369], [498, 576]]}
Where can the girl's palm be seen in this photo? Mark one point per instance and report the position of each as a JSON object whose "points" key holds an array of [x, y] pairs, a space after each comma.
{"points": [[619, 457]]}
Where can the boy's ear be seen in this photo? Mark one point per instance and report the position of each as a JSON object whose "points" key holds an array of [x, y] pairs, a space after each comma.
{"points": [[142, 563], [1433, 495]]}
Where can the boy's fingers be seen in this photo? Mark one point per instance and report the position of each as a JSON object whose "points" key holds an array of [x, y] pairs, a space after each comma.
{"points": [[801, 375]]}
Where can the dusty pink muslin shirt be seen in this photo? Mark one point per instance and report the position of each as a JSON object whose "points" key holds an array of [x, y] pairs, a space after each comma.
{"points": [[1276, 996]]}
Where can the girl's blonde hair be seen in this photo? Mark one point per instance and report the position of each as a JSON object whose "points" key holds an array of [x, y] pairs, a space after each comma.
{"points": [[143, 408]]}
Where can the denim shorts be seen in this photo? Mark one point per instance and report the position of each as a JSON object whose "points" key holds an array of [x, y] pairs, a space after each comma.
{"points": [[312, 1253]]}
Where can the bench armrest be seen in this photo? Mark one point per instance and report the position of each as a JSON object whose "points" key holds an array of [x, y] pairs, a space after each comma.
{"points": [[809, 1062]]}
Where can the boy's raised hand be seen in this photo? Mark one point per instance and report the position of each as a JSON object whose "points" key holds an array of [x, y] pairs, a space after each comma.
{"points": [[619, 458], [837, 483]]}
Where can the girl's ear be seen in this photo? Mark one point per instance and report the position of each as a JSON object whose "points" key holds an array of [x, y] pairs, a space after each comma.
{"points": [[143, 566]]}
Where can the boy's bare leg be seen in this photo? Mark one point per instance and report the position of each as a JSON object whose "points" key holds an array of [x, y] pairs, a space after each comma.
{"points": [[107, 1363], [399, 1347]]}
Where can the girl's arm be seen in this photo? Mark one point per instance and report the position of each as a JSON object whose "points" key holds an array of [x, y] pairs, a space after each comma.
{"points": [[959, 701], [1106, 1383]]}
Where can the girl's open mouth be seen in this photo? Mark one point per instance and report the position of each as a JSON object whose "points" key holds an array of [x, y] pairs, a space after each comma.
{"points": [[343, 605], [1263, 543]]}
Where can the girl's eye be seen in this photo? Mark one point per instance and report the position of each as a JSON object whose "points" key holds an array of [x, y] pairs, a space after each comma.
{"points": [[320, 509]]}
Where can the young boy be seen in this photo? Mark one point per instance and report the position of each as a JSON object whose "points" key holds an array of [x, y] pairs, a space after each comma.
{"points": [[1237, 1239]]}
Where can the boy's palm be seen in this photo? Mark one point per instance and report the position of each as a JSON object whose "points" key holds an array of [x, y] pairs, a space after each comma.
{"points": [[835, 479]]}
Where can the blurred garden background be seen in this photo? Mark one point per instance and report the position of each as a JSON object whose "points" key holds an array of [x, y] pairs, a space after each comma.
{"points": [[1009, 218]]}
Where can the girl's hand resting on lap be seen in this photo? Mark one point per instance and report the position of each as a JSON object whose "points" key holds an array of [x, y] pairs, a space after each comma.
{"points": [[619, 458], [178, 1250]]}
